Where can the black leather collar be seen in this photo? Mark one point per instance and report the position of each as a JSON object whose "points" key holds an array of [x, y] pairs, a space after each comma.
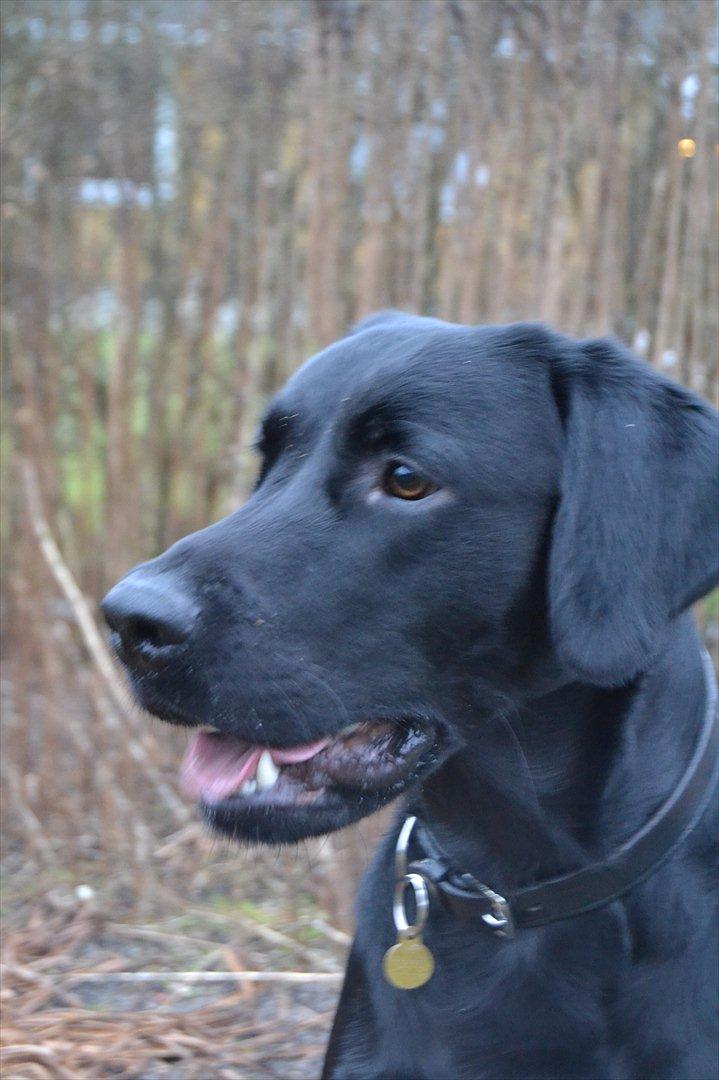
{"points": [[594, 885]]}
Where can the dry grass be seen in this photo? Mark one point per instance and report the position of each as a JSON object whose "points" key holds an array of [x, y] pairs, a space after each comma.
{"points": [[67, 1016]]}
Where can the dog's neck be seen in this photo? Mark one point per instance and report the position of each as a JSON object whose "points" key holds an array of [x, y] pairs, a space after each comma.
{"points": [[551, 783]]}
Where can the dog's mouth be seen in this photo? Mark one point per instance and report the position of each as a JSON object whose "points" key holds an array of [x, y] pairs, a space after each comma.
{"points": [[275, 795]]}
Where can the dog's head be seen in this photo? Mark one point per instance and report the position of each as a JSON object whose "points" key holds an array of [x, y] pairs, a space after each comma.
{"points": [[442, 513]]}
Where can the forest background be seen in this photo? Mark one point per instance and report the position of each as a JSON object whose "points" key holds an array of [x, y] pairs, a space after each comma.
{"points": [[197, 195]]}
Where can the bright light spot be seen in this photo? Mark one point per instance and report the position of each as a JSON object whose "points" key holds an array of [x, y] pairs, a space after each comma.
{"points": [[481, 175], [642, 339], [460, 167], [687, 147]]}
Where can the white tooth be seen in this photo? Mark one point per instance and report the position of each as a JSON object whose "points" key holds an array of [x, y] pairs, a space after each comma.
{"points": [[249, 787], [267, 771]]}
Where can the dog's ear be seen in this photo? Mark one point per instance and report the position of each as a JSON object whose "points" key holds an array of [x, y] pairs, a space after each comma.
{"points": [[635, 537]]}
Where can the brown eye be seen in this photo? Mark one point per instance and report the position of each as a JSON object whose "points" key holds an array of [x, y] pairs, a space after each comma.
{"points": [[404, 482]]}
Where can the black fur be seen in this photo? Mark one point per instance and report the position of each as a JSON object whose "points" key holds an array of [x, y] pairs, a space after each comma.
{"points": [[535, 607]]}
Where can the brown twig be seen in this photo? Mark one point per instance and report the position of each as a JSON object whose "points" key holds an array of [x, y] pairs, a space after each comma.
{"points": [[330, 977], [96, 647]]}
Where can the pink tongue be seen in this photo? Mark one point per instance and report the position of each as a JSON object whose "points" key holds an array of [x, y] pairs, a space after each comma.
{"points": [[298, 753], [215, 765]]}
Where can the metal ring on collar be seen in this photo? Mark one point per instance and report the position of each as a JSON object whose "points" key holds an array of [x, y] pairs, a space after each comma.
{"points": [[421, 898], [400, 851]]}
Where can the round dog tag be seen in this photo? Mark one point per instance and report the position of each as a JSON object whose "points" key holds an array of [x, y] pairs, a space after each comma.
{"points": [[408, 964]]}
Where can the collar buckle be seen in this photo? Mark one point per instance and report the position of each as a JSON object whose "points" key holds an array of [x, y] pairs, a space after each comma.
{"points": [[432, 871], [499, 919]]}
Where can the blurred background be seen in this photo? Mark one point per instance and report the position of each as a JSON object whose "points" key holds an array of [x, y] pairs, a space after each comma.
{"points": [[198, 194]]}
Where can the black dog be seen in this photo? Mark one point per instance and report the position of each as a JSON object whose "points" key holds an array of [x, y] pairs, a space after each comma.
{"points": [[464, 576]]}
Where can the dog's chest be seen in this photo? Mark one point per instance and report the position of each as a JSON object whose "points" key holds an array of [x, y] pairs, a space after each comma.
{"points": [[488, 1010]]}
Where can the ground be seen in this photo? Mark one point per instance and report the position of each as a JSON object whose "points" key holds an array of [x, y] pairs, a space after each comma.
{"points": [[57, 1024]]}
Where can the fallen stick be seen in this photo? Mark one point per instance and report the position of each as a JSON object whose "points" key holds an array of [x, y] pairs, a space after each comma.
{"points": [[190, 977], [123, 930], [339, 937], [276, 937]]}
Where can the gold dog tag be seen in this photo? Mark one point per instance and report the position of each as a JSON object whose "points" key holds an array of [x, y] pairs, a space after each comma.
{"points": [[408, 964]]}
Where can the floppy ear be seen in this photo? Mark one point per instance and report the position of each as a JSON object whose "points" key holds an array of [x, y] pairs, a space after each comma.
{"points": [[635, 538]]}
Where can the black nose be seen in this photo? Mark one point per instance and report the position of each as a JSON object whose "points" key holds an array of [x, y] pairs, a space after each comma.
{"points": [[149, 611]]}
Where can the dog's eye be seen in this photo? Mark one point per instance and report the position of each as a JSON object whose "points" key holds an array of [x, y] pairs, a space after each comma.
{"points": [[403, 482]]}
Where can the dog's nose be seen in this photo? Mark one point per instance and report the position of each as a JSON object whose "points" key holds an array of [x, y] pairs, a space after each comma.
{"points": [[149, 611]]}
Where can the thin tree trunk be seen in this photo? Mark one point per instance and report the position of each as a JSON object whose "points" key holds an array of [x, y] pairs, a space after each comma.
{"points": [[670, 256]]}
